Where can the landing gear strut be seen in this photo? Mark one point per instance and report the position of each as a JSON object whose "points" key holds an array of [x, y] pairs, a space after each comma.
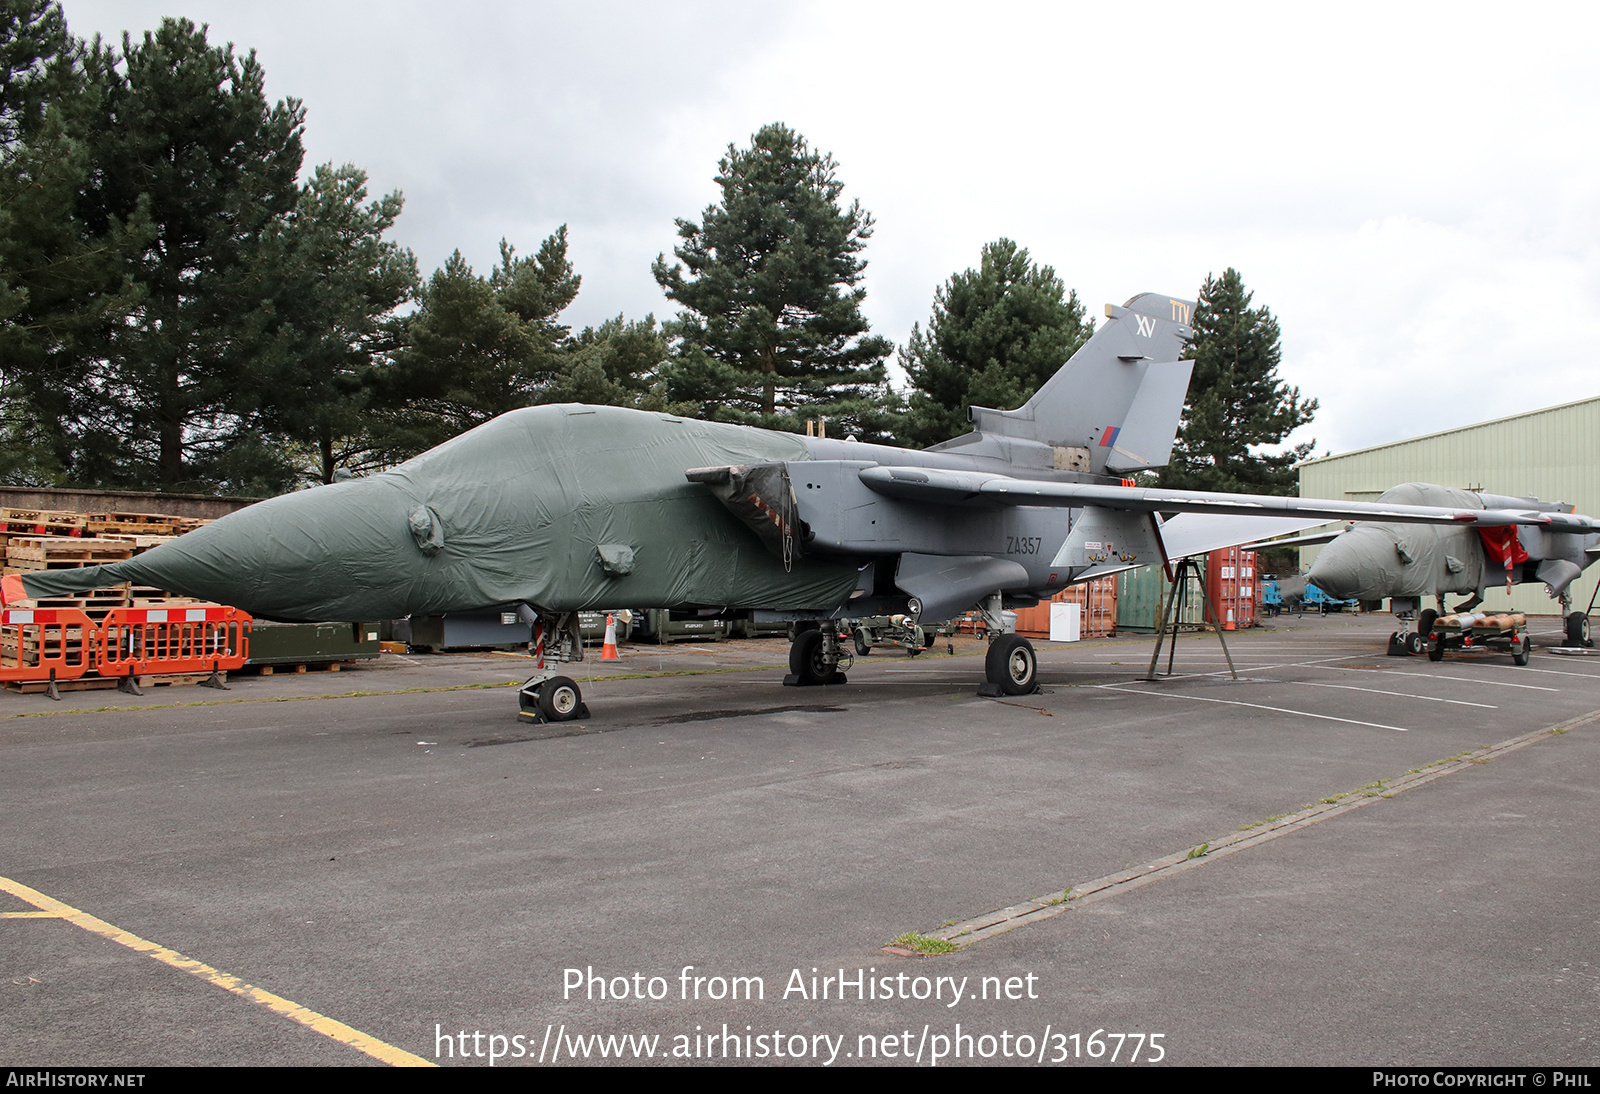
{"points": [[1402, 643], [546, 696], [1011, 665]]}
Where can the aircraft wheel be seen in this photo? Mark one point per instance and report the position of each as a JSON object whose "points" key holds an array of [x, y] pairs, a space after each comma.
{"points": [[1436, 650], [1416, 642], [1521, 650], [1012, 666], [1578, 629], [806, 658], [559, 699]]}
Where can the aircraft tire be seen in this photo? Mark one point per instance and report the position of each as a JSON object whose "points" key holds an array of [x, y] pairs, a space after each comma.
{"points": [[1012, 665], [806, 660], [1577, 626], [1415, 642], [1520, 651], [559, 699]]}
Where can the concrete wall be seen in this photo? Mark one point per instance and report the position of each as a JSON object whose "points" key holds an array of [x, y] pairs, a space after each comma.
{"points": [[121, 501]]}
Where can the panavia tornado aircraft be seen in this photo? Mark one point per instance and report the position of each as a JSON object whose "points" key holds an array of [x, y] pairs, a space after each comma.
{"points": [[566, 508], [1407, 563]]}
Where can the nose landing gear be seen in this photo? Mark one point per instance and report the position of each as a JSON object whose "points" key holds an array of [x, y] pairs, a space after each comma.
{"points": [[545, 696]]}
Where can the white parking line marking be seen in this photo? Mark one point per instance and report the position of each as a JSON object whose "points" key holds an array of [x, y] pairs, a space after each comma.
{"points": [[1457, 679], [1256, 706], [1400, 694], [1550, 672]]}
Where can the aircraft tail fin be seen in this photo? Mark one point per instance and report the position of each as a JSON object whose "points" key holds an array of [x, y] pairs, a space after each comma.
{"points": [[1114, 407]]}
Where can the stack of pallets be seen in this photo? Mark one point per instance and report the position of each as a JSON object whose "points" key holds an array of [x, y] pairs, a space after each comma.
{"points": [[33, 540]]}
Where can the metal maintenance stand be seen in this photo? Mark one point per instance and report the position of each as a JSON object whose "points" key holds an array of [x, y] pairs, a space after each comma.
{"points": [[1180, 589]]}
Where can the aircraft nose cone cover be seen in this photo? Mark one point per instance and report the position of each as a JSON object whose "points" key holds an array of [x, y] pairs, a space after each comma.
{"points": [[343, 551], [1359, 565]]}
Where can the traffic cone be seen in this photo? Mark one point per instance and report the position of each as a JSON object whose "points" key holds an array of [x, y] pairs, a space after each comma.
{"points": [[608, 652], [1229, 625]]}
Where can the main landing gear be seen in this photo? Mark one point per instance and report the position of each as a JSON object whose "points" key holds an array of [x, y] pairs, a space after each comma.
{"points": [[1012, 667], [814, 658], [820, 654]]}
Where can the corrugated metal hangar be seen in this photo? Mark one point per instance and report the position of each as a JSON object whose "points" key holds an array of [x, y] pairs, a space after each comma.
{"points": [[1552, 454]]}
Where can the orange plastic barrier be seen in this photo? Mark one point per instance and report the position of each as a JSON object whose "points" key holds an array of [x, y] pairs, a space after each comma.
{"points": [[136, 641], [45, 644]]}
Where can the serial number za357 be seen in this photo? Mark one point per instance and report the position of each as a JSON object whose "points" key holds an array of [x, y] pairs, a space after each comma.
{"points": [[1024, 545]]}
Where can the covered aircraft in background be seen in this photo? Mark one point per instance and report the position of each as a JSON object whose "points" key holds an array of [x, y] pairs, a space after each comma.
{"points": [[1408, 563], [567, 507]]}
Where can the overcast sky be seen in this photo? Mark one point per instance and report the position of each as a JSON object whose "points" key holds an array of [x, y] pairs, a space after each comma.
{"points": [[1411, 188]]}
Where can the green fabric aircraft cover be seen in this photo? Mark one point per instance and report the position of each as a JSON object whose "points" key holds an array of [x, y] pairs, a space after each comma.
{"points": [[518, 509]]}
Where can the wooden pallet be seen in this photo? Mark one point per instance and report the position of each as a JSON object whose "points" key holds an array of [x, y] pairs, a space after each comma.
{"points": [[42, 522], [297, 667], [59, 552], [138, 541], [132, 524]]}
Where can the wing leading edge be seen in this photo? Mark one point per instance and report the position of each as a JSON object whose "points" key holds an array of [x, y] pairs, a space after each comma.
{"points": [[938, 486]]}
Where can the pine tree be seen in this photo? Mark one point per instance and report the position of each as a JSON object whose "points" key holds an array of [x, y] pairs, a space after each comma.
{"points": [[187, 139], [479, 346], [618, 363], [36, 62], [770, 283], [175, 311], [996, 334], [64, 281], [340, 283], [1236, 402]]}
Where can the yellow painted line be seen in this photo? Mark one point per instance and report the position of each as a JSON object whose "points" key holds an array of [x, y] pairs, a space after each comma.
{"points": [[328, 1027]]}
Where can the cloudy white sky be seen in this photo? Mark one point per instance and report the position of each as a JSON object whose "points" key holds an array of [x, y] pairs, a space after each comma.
{"points": [[1411, 188]]}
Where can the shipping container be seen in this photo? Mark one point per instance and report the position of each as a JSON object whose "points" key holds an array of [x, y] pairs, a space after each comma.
{"points": [[1097, 603], [1231, 580], [1142, 593]]}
